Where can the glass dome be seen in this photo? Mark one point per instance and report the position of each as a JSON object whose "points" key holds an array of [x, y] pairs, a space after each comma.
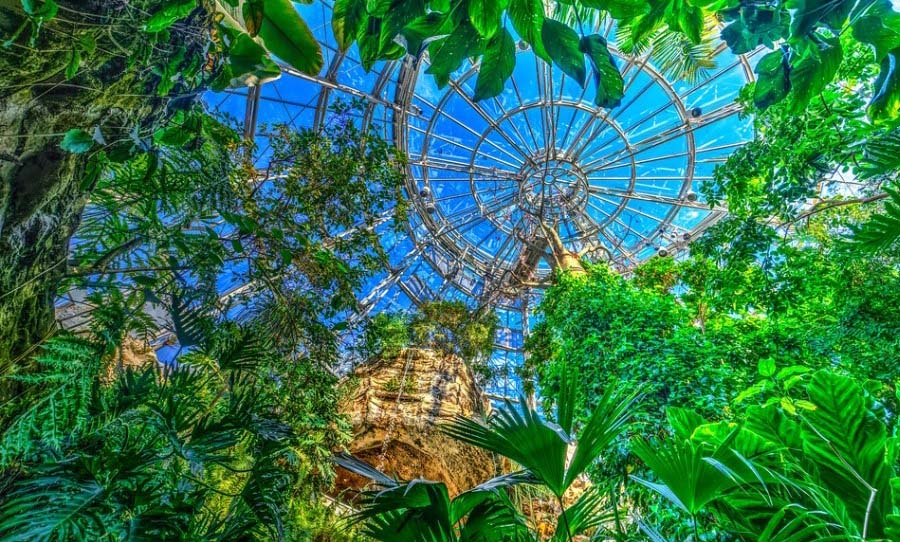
{"points": [[488, 181]]}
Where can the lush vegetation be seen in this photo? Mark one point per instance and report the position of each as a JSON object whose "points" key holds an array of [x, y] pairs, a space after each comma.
{"points": [[745, 392], [446, 326]]}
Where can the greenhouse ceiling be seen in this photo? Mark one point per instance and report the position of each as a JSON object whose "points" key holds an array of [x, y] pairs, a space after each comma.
{"points": [[618, 185]]}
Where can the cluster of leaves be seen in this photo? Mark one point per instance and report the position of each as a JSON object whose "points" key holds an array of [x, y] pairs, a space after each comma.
{"points": [[447, 326], [691, 333], [199, 451], [825, 471]]}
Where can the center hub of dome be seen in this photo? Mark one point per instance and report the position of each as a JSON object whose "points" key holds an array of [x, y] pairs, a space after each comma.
{"points": [[552, 188]]}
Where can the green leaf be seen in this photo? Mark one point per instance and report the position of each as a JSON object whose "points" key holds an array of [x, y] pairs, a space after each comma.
{"points": [[496, 66], [378, 8], [848, 445], [527, 17], [766, 367], [74, 63], [346, 19], [773, 83], [38, 9], [447, 55], [248, 63], [754, 26], [402, 13], [562, 44], [287, 36], [430, 25], [170, 12], [77, 141], [253, 12], [884, 108], [815, 65], [485, 15], [620, 9], [880, 28], [610, 85]]}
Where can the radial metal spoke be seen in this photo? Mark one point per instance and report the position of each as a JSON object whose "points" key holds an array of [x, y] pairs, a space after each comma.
{"points": [[596, 190]]}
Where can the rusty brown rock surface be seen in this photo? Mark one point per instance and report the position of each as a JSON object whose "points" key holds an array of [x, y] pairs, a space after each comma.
{"points": [[395, 411]]}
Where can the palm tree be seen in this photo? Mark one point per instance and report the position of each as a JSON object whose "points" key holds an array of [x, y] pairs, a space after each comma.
{"points": [[521, 434]]}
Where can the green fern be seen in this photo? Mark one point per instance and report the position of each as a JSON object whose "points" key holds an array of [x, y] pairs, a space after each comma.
{"points": [[67, 367]]}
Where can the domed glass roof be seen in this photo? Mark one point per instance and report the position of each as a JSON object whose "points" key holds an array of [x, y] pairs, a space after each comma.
{"points": [[488, 180]]}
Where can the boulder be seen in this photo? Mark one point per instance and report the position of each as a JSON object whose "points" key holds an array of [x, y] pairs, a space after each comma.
{"points": [[395, 410]]}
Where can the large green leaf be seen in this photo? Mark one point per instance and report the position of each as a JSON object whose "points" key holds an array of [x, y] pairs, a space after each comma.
{"points": [[527, 17], [882, 230], [848, 446], [429, 26], [447, 54], [169, 13], [248, 64], [815, 63], [496, 66], [485, 15], [346, 19], [773, 83], [402, 13], [519, 433], [884, 108], [562, 44], [285, 34], [755, 25], [620, 9], [608, 78], [880, 28]]}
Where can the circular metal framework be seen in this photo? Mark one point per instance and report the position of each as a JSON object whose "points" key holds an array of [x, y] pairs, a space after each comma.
{"points": [[487, 180]]}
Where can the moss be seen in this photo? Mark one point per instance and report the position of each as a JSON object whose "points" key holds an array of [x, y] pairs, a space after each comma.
{"points": [[43, 189]]}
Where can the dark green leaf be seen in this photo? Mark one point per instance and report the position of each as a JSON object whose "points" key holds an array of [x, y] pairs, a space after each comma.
{"points": [[288, 37], [620, 9], [496, 66], [884, 108], [773, 83], [562, 44], [431, 25], [527, 17], [880, 28], [170, 12], [815, 64], [485, 15], [77, 141], [346, 19], [447, 55], [610, 85]]}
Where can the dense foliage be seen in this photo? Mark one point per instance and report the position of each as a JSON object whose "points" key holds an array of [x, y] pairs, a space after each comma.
{"points": [[766, 360], [446, 326]]}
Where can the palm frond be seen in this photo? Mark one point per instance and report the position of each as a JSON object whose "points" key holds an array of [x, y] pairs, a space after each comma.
{"points": [[519, 433]]}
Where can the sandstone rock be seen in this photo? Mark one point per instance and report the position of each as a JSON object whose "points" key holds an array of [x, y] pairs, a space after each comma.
{"points": [[395, 411]]}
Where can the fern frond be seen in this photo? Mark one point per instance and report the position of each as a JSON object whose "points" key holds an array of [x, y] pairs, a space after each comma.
{"points": [[67, 367]]}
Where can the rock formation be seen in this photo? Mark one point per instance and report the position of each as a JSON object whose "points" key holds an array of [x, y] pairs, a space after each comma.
{"points": [[395, 411]]}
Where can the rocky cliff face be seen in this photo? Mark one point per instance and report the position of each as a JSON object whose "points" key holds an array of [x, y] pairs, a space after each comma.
{"points": [[395, 411]]}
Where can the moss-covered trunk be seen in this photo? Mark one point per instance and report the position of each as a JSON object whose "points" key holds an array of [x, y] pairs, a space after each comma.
{"points": [[40, 205], [44, 189]]}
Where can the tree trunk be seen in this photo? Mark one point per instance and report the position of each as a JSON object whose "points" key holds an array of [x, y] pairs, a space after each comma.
{"points": [[43, 188]]}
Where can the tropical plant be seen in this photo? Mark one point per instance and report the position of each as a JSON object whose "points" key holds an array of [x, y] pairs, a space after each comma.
{"points": [[421, 510], [825, 472], [88, 84], [198, 451]]}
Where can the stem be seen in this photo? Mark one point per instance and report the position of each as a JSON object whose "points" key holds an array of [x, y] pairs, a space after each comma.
{"points": [[564, 517], [696, 531]]}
